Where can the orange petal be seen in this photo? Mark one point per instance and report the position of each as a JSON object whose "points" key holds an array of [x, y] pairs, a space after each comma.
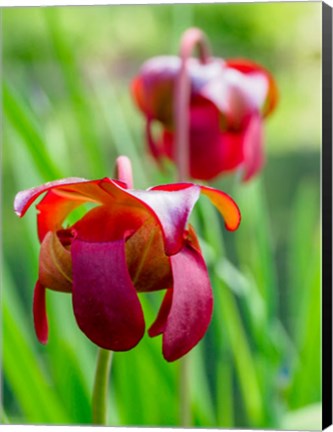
{"points": [[225, 205]]}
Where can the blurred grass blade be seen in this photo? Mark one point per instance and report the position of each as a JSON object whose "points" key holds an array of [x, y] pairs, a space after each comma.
{"points": [[255, 232], [22, 369], [202, 403], [3, 416], [110, 106], [229, 318], [244, 362], [305, 387], [81, 110], [302, 247], [16, 111], [225, 393]]}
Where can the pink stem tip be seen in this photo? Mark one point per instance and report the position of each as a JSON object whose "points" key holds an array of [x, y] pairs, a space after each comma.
{"points": [[124, 170]]}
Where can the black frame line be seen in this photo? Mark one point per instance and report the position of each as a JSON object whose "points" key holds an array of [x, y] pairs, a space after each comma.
{"points": [[326, 215]]}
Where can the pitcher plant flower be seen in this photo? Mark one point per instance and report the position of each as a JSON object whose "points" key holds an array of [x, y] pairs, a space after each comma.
{"points": [[229, 100], [131, 241]]}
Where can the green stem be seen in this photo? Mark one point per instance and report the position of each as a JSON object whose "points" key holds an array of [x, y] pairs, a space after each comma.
{"points": [[191, 38], [184, 394], [100, 391]]}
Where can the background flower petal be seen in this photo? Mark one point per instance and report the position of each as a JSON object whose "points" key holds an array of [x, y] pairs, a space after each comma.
{"points": [[247, 67], [253, 147]]}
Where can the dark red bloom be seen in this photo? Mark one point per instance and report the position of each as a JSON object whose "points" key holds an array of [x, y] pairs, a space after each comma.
{"points": [[228, 102], [131, 241]]}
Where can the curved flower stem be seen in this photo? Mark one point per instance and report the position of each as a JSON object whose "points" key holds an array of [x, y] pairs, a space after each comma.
{"points": [[191, 38], [100, 391]]}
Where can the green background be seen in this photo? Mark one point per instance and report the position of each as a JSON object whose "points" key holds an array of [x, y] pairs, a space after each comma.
{"points": [[68, 112]]}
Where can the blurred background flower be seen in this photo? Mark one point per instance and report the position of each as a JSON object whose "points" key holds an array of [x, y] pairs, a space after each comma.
{"points": [[68, 112], [228, 101]]}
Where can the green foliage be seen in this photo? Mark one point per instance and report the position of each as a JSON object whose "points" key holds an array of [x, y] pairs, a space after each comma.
{"points": [[68, 112]]}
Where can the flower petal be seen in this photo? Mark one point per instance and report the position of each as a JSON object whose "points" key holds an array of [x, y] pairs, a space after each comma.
{"points": [[191, 306], [39, 313], [55, 264], [106, 305], [147, 262], [24, 199], [248, 67], [225, 205], [61, 198], [169, 205], [156, 151], [153, 88], [159, 324], [253, 147], [237, 95], [172, 205]]}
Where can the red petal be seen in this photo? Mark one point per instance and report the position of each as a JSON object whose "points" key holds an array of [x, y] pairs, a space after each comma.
{"points": [[106, 305], [109, 223], [159, 324], [191, 307], [39, 313], [213, 151], [153, 88], [248, 67], [153, 147], [237, 95], [225, 205], [172, 205], [253, 147], [53, 209], [61, 198], [24, 199]]}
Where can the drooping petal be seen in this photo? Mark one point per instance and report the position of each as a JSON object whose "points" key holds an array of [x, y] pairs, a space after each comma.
{"points": [[173, 206], [62, 196], [212, 148], [191, 305], [152, 144], [106, 305], [248, 67], [24, 199], [225, 205], [237, 95], [253, 147], [153, 88], [159, 324], [222, 201], [39, 313], [169, 209]]}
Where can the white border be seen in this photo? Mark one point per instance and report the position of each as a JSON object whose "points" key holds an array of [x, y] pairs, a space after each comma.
{"points": [[25, 3], [11, 3]]}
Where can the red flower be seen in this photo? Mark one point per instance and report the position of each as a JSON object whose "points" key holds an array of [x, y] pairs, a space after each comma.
{"points": [[228, 102], [131, 241]]}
